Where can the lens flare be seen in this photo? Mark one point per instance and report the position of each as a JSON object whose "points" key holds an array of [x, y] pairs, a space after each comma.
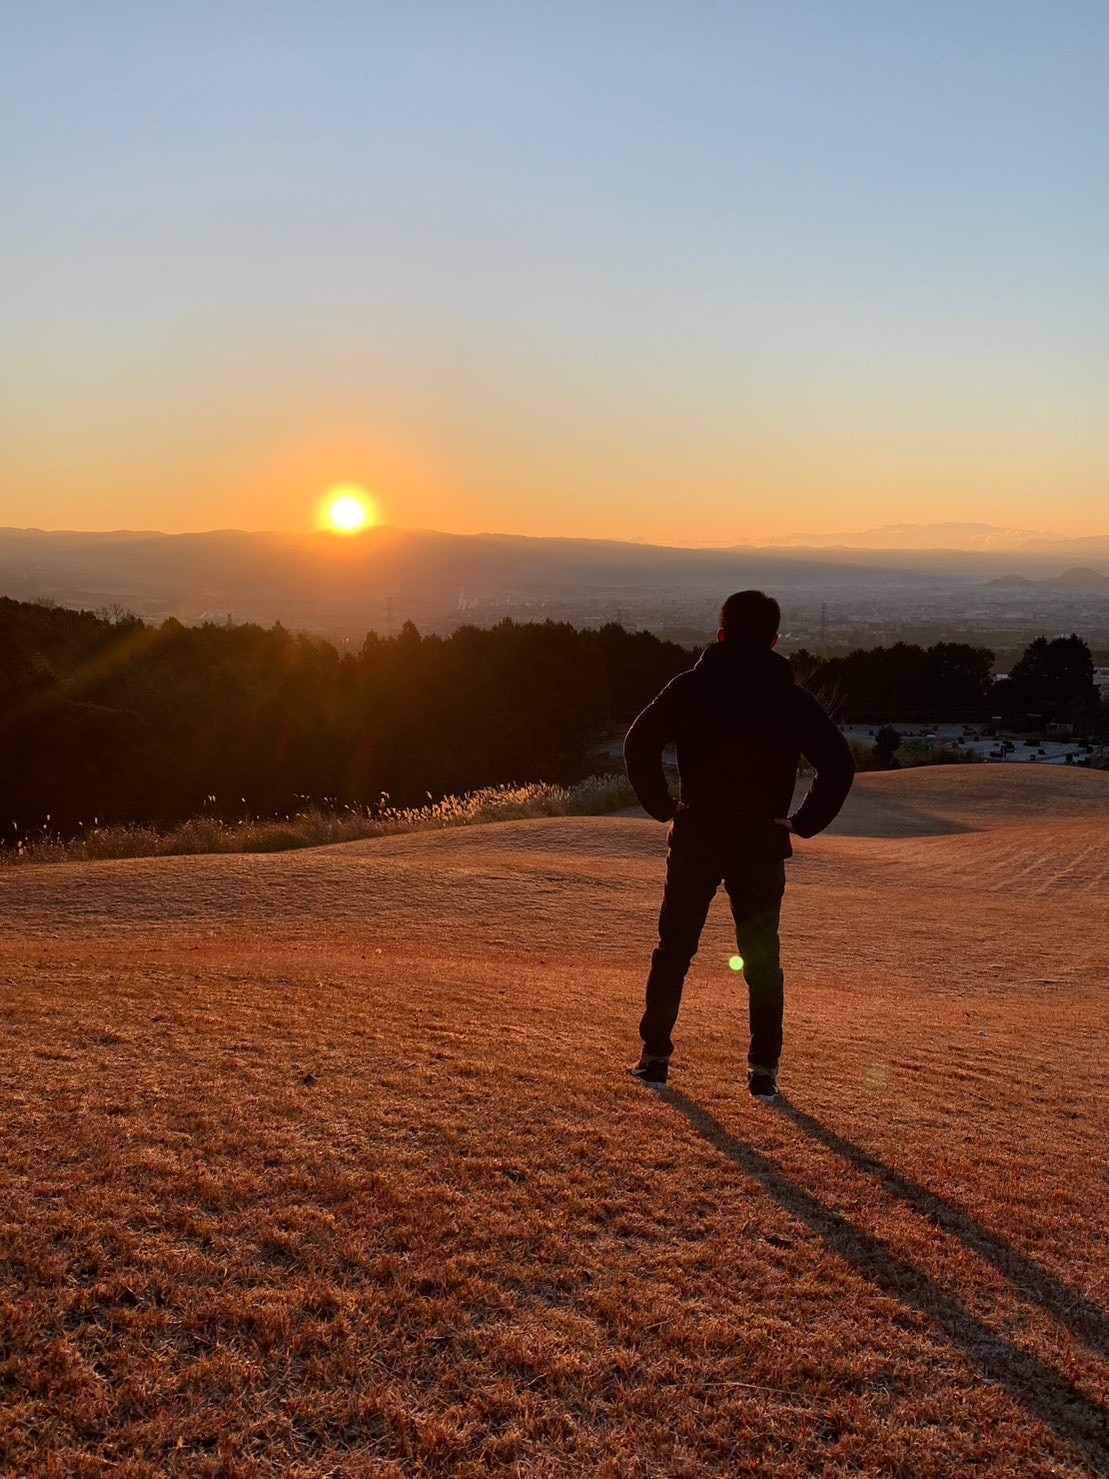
{"points": [[736, 963]]}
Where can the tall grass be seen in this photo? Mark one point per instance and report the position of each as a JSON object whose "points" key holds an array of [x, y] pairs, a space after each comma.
{"points": [[317, 826]]}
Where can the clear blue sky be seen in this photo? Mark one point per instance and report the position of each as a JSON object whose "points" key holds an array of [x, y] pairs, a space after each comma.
{"points": [[687, 271]]}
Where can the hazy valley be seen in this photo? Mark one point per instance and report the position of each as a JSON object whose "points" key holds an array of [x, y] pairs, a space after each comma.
{"points": [[341, 586]]}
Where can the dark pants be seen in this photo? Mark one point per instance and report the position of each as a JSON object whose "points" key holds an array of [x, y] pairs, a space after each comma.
{"points": [[702, 854]]}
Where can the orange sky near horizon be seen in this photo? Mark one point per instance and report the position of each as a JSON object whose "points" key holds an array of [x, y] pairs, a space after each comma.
{"points": [[661, 451], [592, 489]]}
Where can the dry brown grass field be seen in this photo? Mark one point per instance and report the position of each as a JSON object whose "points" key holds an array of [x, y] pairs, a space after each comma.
{"points": [[325, 1162]]}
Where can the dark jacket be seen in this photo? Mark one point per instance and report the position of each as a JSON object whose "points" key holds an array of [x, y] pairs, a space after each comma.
{"points": [[740, 725]]}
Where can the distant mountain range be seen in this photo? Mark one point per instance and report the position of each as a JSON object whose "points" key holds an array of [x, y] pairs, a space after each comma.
{"points": [[265, 573], [1079, 578], [378, 578], [945, 536]]}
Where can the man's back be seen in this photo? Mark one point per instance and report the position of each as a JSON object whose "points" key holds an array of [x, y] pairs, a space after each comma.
{"points": [[740, 724]]}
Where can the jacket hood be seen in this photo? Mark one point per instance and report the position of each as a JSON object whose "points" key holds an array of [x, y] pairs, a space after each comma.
{"points": [[730, 666]]}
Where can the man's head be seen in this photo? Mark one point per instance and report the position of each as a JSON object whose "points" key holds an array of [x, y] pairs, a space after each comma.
{"points": [[751, 617]]}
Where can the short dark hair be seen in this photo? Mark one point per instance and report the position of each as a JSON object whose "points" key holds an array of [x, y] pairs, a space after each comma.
{"points": [[750, 616]]}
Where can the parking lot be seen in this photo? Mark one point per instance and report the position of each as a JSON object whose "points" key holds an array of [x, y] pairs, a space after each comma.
{"points": [[969, 739]]}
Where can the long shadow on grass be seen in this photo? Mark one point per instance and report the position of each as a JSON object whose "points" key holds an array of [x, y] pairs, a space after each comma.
{"points": [[1085, 1320], [1068, 1411]]}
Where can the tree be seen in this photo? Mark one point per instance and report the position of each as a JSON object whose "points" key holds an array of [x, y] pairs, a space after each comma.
{"points": [[886, 742], [1054, 678]]}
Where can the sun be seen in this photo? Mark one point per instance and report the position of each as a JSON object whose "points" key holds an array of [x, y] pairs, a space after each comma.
{"points": [[346, 510], [347, 513]]}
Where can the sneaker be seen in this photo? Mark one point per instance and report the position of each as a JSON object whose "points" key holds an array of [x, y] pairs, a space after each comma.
{"points": [[651, 1071], [762, 1085]]}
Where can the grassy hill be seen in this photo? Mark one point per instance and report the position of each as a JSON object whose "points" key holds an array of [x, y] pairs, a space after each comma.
{"points": [[325, 1163]]}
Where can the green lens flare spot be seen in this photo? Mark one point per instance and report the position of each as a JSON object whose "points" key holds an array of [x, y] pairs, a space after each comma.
{"points": [[736, 963]]}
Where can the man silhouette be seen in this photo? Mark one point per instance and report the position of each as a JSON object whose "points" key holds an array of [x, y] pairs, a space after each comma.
{"points": [[740, 725]]}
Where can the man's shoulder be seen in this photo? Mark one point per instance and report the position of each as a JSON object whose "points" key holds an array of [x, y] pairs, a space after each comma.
{"points": [[680, 686]]}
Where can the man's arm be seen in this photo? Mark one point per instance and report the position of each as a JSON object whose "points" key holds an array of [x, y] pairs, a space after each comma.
{"points": [[825, 748], [643, 747]]}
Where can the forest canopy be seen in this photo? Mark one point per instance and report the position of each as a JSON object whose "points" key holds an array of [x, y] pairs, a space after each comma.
{"points": [[125, 722], [107, 717]]}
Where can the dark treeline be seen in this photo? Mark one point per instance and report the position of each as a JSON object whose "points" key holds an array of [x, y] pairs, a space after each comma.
{"points": [[110, 718], [952, 681], [125, 722], [1053, 682]]}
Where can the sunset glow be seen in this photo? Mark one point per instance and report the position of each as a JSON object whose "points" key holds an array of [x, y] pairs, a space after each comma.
{"points": [[753, 291]]}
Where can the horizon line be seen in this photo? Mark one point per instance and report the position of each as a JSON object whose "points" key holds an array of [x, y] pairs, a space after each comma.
{"points": [[766, 544]]}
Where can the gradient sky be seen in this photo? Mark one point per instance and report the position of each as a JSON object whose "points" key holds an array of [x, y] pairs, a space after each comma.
{"points": [[688, 272]]}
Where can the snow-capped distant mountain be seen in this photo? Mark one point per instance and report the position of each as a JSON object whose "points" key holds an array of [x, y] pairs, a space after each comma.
{"points": [[949, 535]]}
